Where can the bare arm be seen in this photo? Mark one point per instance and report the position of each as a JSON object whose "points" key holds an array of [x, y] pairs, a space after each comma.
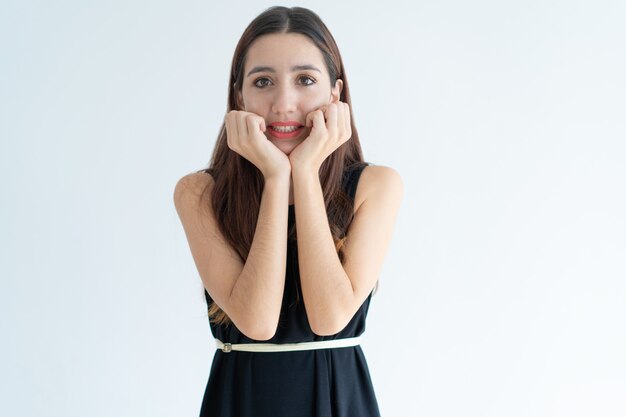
{"points": [[333, 292], [249, 293]]}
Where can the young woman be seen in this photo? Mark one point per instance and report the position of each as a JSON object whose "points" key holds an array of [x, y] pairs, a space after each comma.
{"points": [[288, 228]]}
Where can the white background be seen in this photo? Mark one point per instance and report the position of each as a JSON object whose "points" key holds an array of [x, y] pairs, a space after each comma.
{"points": [[504, 290]]}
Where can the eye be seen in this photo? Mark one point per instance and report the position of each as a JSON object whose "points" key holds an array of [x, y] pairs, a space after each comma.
{"points": [[261, 82], [306, 80]]}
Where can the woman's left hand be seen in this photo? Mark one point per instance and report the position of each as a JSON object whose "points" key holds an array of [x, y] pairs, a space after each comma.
{"points": [[330, 129]]}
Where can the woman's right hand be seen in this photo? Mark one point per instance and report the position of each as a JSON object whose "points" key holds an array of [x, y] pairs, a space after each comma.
{"points": [[244, 134]]}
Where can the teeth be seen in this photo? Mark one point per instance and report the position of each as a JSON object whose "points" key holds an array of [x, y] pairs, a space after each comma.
{"points": [[285, 129]]}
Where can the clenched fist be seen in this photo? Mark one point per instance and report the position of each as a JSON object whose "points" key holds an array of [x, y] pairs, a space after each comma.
{"points": [[245, 135]]}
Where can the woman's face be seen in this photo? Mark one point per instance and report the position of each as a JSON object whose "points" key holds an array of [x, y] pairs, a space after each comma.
{"points": [[284, 79]]}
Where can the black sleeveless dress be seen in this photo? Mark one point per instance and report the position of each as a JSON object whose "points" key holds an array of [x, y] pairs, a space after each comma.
{"points": [[331, 382]]}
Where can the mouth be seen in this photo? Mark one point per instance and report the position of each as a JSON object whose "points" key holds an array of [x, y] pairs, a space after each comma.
{"points": [[285, 130]]}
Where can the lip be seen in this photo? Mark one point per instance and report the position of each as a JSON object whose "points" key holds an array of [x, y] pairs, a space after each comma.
{"points": [[285, 135]]}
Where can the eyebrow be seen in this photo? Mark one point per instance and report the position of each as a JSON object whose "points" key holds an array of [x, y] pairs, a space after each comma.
{"points": [[293, 69]]}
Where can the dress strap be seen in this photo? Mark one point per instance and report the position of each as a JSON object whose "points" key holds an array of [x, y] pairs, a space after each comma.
{"points": [[351, 179]]}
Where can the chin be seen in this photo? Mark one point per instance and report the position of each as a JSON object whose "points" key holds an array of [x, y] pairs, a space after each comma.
{"points": [[286, 149], [284, 146]]}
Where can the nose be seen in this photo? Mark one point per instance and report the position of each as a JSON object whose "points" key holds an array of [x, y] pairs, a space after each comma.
{"points": [[285, 100]]}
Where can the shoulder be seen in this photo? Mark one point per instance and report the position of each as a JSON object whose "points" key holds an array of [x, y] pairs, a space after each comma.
{"points": [[379, 182], [191, 187]]}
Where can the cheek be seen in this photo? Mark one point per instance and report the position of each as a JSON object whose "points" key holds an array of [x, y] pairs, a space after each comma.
{"points": [[314, 100], [250, 94], [253, 102]]}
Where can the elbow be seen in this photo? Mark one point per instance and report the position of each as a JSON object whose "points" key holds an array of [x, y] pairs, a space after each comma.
{"points": [[259, 330], [326, 327], [262, 334]]}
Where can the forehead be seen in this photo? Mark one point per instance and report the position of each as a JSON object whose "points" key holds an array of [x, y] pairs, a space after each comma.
{"points": [[283, 50]]}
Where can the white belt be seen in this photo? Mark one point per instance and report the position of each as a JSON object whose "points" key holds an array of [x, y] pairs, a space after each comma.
{"points": [[283, 347]]}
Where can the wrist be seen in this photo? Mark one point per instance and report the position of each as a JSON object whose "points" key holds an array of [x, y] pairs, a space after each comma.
{"points": [[277, 173], [279, 178], [302, 171]]}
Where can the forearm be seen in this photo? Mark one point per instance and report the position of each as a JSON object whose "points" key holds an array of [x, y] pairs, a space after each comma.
{"points": [[259, 289], [326, 287]]}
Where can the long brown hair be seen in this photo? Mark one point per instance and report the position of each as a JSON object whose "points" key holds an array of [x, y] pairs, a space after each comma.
{"points": [[236, 195]]}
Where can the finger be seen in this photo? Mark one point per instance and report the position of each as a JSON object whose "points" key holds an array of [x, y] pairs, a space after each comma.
{"points": [[331, 120], [343, 114], [318, 120], [254, 124], [340, 123], [310, 117], [347, 119], [231, 127], [242, 128]]}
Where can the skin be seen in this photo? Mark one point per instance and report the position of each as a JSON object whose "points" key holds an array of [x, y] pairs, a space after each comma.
{"points": [[304, 96], [251, 292]]}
